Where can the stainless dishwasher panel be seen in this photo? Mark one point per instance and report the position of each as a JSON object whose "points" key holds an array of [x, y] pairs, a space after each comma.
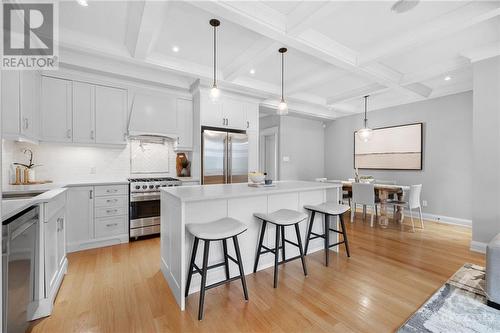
{"points": [[20, 234]]}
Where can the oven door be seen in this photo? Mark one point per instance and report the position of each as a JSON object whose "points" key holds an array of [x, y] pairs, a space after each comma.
{"points": [[144, 209]]}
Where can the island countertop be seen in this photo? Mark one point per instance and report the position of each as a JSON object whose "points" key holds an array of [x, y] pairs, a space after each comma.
{"points": [[223, 191]]}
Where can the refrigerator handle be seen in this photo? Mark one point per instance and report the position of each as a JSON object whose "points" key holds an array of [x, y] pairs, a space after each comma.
{"points": [[225, 161], [230, 161]]}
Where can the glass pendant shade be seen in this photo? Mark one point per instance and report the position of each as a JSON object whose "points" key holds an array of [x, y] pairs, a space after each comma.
{"points": [[365, 134], [282, 108], [214, 94]]}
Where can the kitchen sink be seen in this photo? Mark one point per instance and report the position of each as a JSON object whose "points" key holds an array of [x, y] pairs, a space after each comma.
{"points": [[20, 195]]}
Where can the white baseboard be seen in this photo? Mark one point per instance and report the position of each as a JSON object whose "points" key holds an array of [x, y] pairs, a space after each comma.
{"points": [[96, 243], [478, 246]]}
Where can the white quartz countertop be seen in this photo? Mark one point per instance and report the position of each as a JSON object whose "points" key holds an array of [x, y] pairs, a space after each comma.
{"points": [[9, 189], [14, 206], [210, 192]]}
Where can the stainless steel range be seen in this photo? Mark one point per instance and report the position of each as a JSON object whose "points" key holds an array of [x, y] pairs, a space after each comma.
{"points": [[145, 204]]}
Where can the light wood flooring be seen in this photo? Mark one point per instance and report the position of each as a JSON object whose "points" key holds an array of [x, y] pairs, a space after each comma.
{"points": [[389, 275]]}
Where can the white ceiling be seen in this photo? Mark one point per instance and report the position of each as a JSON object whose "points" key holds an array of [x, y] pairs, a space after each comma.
{"points": [[338, 50]]}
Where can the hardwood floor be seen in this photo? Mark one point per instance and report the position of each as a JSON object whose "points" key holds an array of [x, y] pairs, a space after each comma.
{"points": [[389, 275]]}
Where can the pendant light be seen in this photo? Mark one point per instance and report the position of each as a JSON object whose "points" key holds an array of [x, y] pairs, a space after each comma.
{"points": [[365, 133], [282, 107], [214, 91]]}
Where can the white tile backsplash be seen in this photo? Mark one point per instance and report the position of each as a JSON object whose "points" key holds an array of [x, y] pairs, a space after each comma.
{"points": [[72, 163]]}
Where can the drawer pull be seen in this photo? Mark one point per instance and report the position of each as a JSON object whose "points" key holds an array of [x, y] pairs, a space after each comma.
{"points": [[112, 225], [111, 191], [109, 211], [111, 200]]}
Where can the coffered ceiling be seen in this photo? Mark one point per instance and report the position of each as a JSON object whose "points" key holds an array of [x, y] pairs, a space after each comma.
{"points": [[338, 52]]}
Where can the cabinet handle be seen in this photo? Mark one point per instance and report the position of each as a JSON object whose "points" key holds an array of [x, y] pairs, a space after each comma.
{"points": [[248, 124], [109, 211], [112, 200], [60, 224], [111, 191], [223, 121], [27, 123], [92, 135], [91, 194], [68, 134], [111, 225]]}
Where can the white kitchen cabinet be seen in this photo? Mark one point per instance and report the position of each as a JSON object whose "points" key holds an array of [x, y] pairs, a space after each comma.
{"points": [[80, 215], [252, 116], [110, 115], [51, 246], [234, 112], [185, 125], [83, 112], [96, 216], [211, 114], [253, 151], [56, 111], [20, 105]]}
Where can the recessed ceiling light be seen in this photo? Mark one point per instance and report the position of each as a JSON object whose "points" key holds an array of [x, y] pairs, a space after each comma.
{"points": [[447, 78], [83, 3], [252, 71], [175, 49], [402, 6]]}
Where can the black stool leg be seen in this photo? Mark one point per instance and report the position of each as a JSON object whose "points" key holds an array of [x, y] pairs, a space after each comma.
{"points": [[283, 242], [344, 235], [299, 242], [203, 278], [226, 260], [240, 265], [326, 219], [309, 230], [261, 239], [191, 265], [276, 255]]}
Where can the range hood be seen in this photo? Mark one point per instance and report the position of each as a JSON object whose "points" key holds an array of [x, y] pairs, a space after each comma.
{"points": [[153, 116]]}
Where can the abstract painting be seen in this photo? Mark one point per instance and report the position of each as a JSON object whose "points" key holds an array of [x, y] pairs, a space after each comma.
{"points": [[390, 148]]}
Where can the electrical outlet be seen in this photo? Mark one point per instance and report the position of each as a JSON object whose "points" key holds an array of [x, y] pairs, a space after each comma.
{"points": [[424, 203], [92, 171]]}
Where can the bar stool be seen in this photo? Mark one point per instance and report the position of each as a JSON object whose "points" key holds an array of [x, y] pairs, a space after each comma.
{"points": [[219, 230], [281, 219], [328, 209]]}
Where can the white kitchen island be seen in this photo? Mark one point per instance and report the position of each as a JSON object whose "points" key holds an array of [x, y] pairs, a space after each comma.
{"points": [[206, 203]]}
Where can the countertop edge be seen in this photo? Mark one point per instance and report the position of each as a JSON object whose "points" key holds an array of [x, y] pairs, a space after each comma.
{"points": [[26, 203]]}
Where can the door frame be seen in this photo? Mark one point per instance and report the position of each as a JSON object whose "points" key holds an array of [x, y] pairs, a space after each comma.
{"points": [[262, 144]]}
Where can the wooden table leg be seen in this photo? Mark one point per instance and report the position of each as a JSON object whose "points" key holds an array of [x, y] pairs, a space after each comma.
{"points": [[383, 220], [399, 210]]}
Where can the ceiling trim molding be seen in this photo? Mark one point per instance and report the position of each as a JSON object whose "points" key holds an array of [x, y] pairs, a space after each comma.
{"points": [[482, 53], [374, 88]]}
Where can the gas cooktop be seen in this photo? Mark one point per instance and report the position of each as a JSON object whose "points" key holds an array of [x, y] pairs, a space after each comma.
{"points": [[151, 184]]}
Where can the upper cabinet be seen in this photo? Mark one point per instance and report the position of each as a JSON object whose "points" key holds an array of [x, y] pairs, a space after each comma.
{"points": [[20, 102], [56, 114], [185, 125], [229, 112], [81, 112]]}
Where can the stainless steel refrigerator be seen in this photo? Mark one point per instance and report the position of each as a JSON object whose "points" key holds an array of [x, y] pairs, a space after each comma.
{"points": [[224, 157]]}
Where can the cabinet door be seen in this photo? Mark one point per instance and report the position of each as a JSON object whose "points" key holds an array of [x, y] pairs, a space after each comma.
{"points": [[185, 122], [10, 103], [253, 150], [234, 112], [51, 263], [111, 114], [79, 215], [252, 116], [61, 237], [83, 112], [56, 110], [30, 97], [211, 113]]}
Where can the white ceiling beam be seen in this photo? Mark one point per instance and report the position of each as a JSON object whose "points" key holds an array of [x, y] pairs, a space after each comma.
{"points": [[420, 89], [484, 52], [373, 88], [310, 81], [144, 23], [307, 13], [253, 56], [458, 20]]}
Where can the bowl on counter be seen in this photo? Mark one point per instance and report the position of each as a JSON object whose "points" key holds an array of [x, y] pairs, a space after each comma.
{"points": [[257, 178]]}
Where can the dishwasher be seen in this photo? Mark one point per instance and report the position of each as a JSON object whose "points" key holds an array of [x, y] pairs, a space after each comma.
{"points": [[19, 267]]}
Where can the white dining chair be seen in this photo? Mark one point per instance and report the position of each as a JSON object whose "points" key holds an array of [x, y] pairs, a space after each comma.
{"points": [[412, 201], [363, 194]]}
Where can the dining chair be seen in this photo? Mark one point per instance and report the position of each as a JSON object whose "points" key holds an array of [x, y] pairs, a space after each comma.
{"points": [[363, 194], [412, 202]]}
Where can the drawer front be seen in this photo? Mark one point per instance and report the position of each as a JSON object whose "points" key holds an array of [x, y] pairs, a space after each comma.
{"points": [[54, 205], [104, 190], [105, 227], [110, 211], [115, 201]]}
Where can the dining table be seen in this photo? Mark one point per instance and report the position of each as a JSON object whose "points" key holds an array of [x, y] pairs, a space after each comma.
{"points": [[383, 192]]}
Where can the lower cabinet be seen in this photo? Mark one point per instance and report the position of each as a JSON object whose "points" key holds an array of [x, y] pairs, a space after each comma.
{"points": [[97, 216]]}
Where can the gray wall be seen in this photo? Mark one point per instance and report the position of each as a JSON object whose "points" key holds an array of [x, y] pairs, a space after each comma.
{"points": [[486, 169], [447, 163], [303, 141]]}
